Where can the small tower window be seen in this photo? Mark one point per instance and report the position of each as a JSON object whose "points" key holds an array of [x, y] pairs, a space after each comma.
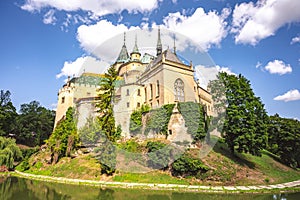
{"points": [[63, 100], [157, 87], [139, 92], [138, 104], [127, 92], [128, 105]]}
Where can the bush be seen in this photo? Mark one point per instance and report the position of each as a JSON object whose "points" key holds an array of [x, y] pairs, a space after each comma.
{"points": [[188, 166]]}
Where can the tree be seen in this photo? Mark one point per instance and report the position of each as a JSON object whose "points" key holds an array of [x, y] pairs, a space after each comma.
{"points": [[105, 104], [34, 124], [245, 125], [9, 152], [284, 139], [64, 138], [7, 113]]}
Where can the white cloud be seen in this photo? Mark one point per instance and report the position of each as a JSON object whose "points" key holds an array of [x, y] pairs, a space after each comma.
{"points": [[96, 7], [295, 40], [278, 67], [258, 65], [206, 74], [49, 17], [292, 95], [225, 69], [83, 64], [206, 29], [254, 22]]}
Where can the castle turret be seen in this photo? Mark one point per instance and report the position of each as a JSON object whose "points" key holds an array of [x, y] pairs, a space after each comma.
{"points": [[135, 54], [123, 56]]}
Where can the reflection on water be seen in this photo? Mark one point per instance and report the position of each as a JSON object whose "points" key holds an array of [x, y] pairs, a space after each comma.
{"points": [[13, 188]]}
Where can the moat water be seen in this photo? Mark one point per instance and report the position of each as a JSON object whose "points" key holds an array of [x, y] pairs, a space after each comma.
{"points": [[13, 188]]}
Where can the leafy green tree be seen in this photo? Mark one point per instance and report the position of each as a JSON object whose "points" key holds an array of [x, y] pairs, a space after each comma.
{"points": [[64, 138], [7, 113], [245, 125], [105, 104], [284, 139], [34, 124], [9, 152]]}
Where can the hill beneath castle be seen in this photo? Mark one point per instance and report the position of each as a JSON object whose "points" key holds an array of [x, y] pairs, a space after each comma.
{"points": [[223, 169]]}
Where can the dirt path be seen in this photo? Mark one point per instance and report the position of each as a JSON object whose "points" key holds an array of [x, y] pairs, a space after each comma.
{"points": [[294, 185]]}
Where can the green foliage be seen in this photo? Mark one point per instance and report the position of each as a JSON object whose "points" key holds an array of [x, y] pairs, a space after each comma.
{"points": [[106, 154], [9, 152], [90, 133], [194, 117], [136, 125], [284, 139], [34, 124], [7, 114], [159, 119], [105, 104], [245, 127], [188, 166], [64, 138], [131, 146], [159, 155]]}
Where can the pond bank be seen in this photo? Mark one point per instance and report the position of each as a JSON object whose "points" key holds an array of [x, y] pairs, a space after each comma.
{"points": [[284, 187]]}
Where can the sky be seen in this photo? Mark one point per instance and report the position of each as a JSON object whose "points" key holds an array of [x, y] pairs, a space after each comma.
{"points": [[44, 41]]}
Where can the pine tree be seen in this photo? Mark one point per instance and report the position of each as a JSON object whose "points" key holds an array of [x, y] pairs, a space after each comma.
{"points": [[105, 104]]}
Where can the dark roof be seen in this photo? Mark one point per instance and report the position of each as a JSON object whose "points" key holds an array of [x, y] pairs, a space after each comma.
{"points": [[123, 56]]}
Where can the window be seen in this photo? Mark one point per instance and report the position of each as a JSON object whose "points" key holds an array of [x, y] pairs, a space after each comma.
{"points": [[63, 100], [139, 92], [157, 88], [170, 132], [145, 94], [179, 90], [138, 104], [128, 105], [127, 92], [151, 91]]}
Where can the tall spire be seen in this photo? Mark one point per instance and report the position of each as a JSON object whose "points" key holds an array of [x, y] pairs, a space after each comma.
{"points": [[123, 56], [135, 48], [159, 45]]}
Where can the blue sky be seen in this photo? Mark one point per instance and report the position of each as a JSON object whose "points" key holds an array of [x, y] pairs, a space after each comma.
{"points": [[43, 41]]}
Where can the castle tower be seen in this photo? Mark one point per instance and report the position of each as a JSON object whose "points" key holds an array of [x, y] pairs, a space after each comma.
{"points": [[159, 45], [135, 54], [123, 56]]}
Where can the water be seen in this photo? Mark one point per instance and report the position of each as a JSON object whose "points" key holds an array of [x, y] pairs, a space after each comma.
{"points": [[13, 188]]}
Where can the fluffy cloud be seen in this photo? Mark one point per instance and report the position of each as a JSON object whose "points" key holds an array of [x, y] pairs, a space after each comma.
{"points": [[278, 67], [83, 64], [49, 17], [96, 7], [91, 37], [208, 28], [206, 74], [295, 40], [254, 22], [292, 95]]}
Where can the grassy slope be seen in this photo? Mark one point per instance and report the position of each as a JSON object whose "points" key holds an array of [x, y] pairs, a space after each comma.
{"points": [[241, 169]]}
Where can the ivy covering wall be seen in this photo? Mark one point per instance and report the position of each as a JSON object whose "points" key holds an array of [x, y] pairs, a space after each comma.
{"points": [[194, 117]]}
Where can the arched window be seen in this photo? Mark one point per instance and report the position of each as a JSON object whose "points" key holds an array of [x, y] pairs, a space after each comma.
{"points": [[179, 90]]}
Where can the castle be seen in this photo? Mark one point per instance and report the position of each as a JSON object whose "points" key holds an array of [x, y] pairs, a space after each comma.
{"points": [[155, 80]]}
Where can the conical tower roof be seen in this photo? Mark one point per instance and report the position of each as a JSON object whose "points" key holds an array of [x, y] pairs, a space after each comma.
{"points": [[123, 55], [135, 48]]}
